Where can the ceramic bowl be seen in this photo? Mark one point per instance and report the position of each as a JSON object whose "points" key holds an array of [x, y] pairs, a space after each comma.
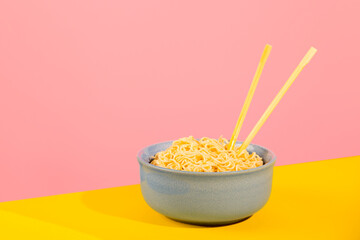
{"points": [[202, 198]]}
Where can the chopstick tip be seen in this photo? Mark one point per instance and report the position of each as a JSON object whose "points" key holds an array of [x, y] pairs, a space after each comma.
{"points": [[313, 49]]}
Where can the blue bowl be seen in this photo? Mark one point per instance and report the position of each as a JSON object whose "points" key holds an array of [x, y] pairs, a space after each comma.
{"points": [[206, 198]]}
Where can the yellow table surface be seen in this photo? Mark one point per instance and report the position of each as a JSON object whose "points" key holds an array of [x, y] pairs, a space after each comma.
{"points": [[316, 200]]}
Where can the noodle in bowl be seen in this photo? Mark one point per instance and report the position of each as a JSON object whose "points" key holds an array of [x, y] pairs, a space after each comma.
{"points": [[205, 155], [206, 197]]}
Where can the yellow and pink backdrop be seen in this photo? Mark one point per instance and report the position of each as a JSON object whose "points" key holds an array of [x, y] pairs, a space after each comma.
{"points": [[85, 84]]}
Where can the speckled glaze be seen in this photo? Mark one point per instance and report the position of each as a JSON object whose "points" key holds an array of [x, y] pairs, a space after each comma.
{"points": [[205, 198]]}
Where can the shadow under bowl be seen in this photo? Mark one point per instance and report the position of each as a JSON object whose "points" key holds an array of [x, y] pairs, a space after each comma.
{"points": [[206, 198]]}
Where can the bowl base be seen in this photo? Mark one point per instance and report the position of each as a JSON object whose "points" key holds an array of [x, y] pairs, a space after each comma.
{"points": [[212, 224]]}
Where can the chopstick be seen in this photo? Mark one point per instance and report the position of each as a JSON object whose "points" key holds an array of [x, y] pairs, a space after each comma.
{"points": [[249, 96], [306, 59]]}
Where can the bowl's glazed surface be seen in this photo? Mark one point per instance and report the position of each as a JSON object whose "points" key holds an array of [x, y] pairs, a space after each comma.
{"points": [[205, 198]]}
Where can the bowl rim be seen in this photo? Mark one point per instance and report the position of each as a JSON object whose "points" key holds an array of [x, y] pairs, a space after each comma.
{"points": [[144, 163]]}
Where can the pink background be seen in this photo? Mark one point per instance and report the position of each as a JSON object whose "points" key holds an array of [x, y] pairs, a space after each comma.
{"points": [[85, 84]]}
